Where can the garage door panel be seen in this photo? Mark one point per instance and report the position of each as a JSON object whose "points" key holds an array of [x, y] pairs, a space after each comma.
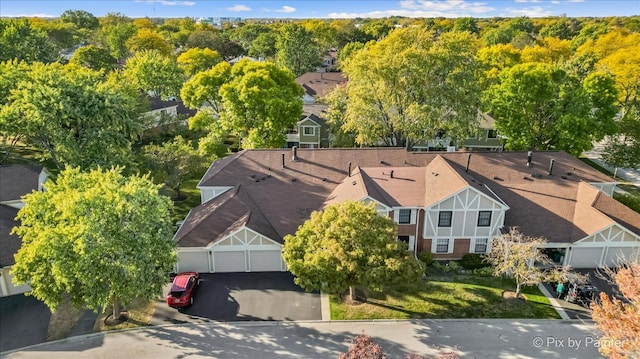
{"points": [[265, 261], [229, 261], [193, 262], [615, 255], [585, 257]]}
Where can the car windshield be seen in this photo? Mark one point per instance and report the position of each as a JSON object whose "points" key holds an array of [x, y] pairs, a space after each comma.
{"points": [[177, 293]]}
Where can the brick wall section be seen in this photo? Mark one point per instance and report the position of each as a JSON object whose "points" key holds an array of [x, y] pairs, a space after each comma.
{"points": [[460, 248]]}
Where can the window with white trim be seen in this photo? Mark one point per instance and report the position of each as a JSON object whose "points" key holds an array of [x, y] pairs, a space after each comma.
{"points": [[481, 245], [444, 218], [404, 216], [484, 218], [442, 245], [308, 131]]}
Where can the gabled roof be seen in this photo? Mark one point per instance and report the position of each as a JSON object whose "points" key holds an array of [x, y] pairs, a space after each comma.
{"points": [[312, 117], [156, 103], [18, 180], [221, 216], [540, 204], [319, 84], [9, 243]]}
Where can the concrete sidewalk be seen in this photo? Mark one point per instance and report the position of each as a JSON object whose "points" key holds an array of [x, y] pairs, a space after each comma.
{"points": [[482, 338]]}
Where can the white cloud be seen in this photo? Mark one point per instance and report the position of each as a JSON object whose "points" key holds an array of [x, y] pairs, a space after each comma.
{"points": [[286, 9], [532, 11], [527, 1], [423, 8], [168, 3], [239, 8]]}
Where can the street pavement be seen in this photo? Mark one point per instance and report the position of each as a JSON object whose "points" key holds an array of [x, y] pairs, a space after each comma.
{"points": [[482, 338], [628, 174]]}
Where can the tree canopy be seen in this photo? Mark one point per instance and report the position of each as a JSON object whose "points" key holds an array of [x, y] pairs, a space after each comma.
{"points": [[618, 319], [154, 73], [347, 245], [196, 60], [72, 114], [540, 107], [297, 50], [411, 83], [98, 237], [95, 58], [256, 101], [20, 41]]}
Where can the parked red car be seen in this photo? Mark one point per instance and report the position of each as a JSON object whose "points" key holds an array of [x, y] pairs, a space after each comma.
{"points": [[183, 289]]}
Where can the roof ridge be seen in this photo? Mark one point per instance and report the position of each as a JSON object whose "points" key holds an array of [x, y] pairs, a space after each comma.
{"points": [[210, 172], [229, 195]]}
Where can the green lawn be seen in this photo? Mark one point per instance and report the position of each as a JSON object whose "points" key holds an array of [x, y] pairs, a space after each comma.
{"points": [[181, 208], [448, 297]]}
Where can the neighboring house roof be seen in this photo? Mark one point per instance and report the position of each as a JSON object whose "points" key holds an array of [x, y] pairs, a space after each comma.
{"points": [[540, 205], [18, 180], [156, 103], [319, 84], [486, 121], [318, 120], [15, 182], [9, 243]]}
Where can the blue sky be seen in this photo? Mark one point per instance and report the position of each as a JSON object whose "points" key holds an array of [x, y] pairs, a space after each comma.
{"points": [[325, 9]]}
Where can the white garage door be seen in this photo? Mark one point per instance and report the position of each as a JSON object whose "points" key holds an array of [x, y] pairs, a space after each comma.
{"points": [[615, 255], [265, 261], [585, 257], [193, 262], [229, 261]]}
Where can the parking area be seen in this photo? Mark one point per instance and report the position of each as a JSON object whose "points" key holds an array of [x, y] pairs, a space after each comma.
{"points": [[24, 321], [577, 311], [242, 297]]}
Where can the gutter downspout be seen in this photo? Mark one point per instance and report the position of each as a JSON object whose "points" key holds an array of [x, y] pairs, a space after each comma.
{"points": [[415, 240]]}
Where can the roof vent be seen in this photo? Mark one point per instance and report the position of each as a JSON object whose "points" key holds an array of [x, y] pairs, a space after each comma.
{"points": [[391, 174], [294, 179], [294, 156], [529, 156], [528, 178], [551, 162], [497, 178], [353, 183], [349, 170], [468, 161]]}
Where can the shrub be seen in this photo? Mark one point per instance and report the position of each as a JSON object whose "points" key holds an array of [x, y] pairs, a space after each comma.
{"points": [[471, 261], [483, 272], [426, 258]]}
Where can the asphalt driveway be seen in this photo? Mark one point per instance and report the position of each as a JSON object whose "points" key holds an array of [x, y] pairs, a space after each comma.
{"points": [[242, 297], [23, 321], [577, 311]]}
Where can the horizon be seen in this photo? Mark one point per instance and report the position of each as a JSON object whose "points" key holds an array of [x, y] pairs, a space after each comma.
{"points": [[332, 9]]}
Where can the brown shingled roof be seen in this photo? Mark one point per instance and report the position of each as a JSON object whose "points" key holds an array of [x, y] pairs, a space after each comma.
{"points": [[540, 204], [319, 84]]}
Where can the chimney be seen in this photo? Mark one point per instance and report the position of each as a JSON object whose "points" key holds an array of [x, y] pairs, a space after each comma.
{"points": [[529, 155], [391, 174], [295, 153], [468, 161], [349, 171], [551, 166], [283, 160]]}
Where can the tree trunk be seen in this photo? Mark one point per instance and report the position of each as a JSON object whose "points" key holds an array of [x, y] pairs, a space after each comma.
{"points": [[352, 292], [116, 308], [518, 290], [178, 193]]}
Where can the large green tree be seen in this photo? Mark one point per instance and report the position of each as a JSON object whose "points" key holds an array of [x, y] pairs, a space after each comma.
{"points": [[116, 37], [154, 73], [96, 58], [540, 107], [195, 60], [410, 83], [348, 245], [72, 114], [256, 101], [172, 162], [97, 237], [19, 40], [297, 49], [146, 39]]}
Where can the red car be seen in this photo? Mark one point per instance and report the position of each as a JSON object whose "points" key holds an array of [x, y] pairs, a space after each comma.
{"points": [[183, 289]]}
